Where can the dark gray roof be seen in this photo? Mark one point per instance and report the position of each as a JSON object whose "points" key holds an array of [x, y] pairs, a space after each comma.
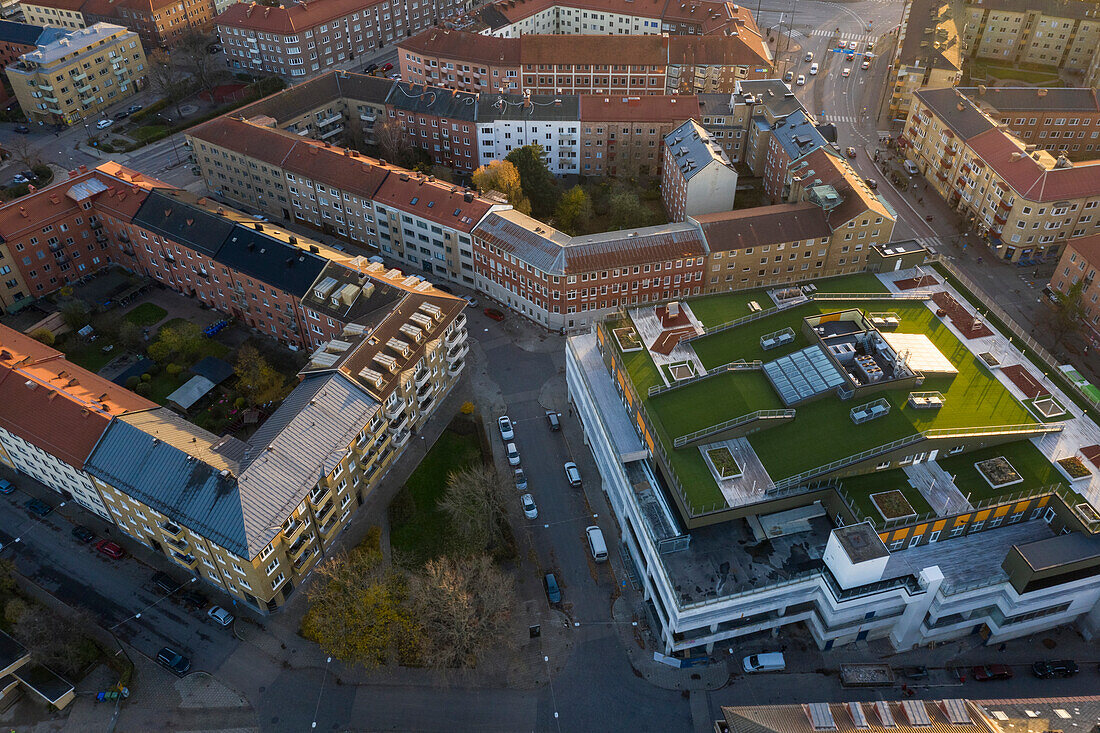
{"points": [[966, 122], [174, 215], [492, 17], [433, 101], [519, 235], [326, 89], [215, 369], [1055, 99], [693, 149], [860, 542], [1060, 550], [798, 135], [43, 680], [11, 651], [24, 33], [543, 107], [363, 310], [774, 94], [279, 264]]}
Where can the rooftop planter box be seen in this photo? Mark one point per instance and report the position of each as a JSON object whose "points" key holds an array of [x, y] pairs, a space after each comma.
{"points": [[1073, 468], [893, 505], [725, 465], [998, 472]]}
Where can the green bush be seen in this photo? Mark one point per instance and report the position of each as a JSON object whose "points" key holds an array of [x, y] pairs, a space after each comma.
{"points": [[147, 377], [152, 109], [154, 370], [173, 369], [240, 403], [403, 507], [144, 389], [44, 335], [132, 382]]}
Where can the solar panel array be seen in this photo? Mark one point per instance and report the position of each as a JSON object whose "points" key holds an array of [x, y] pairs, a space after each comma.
{"points": [[802, 375]]}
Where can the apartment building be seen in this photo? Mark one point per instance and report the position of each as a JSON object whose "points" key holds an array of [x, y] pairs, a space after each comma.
{"points": [[158, 23], [52, 414], [789, 140], [1079, 261], [72, 78], [513, 18], [440, 122], [928, 54], [629, 132], [1062, 121], [1059, 34], [509, 121], [696, 176], [1024, 201], [303, 38], [561, 64], [17, 39]]}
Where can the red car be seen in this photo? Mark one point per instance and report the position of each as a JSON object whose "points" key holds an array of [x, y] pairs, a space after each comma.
{"points": [[387, 67], [111, 549], [494, 314], [987, 672]]}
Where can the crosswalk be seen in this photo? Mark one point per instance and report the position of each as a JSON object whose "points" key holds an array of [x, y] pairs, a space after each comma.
{"points": [[932, 244], [858, 37], [849, 119]]}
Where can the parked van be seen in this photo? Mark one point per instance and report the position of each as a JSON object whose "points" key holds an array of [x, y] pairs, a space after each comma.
{"points": [[765, 662], [911, 168], [596, 544]]}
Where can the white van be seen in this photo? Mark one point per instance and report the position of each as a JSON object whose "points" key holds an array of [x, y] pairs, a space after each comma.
{"points": [[764, 662], [911, 168], [596, 544]]}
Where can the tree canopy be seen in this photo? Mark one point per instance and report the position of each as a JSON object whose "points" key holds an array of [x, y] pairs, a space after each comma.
{"points": [[502, 176], [574, 211], [257, 380], [538, 182], [475, 501], [181, 341]]}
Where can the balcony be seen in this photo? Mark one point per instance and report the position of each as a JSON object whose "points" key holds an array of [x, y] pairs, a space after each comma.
{"points": [[425, 394], [392, 412], [171, 529], [84, 88], [334, 131], [80, 76], [454, 337], [457, 352], [188, 561], [324, 512], [296, 549], [178, 543], [366, 117], [293, 531], [48, 98], [318, 496], [302, 561], [45, 87], [326, 530], [400, 439], [421, 377], [329, 120], [398, 426]]}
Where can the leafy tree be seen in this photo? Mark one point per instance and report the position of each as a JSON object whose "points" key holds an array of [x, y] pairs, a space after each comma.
{"points": [[182, 341], [357, 610], [257, 379], [475, 501], [574, 211], [502, 176], [627, 210], [75, 314], [1070, 313], [44, 335], [191, 55], [463, 606], [538, 183], [130, 336]]}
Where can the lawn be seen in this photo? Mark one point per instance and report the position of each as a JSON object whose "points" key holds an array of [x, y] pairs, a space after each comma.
{"points": [[979, 69], [714, 310], [419, 530], [860, 488], [146, 314], [1028, 461], [704, 403], [88, 354]]}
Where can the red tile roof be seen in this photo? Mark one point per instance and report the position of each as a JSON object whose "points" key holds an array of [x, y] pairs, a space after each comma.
{"points": [[738, 50], [1087, 247], [734, 230], [474, 47], [291, 18], [1035, 180], [443, 203], [646, 108], [570, 49], [54, 404]]}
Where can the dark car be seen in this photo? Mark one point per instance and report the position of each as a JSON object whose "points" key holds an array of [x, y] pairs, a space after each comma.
{"points": [[370, 68], [553, 592], [134, 108], [871, 183], [173, 660], [22, 129], [193, 599], [121, 115], [41, 508], [988, 672], [166, 582], [112, 550], [494, 314], [553, 420], [6, 487], [1057, 668], [83, 534]]}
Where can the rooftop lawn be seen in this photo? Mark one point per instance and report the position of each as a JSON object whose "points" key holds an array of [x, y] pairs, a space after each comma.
{"points": [[822, 431], [860, 488], [714, 310], [1036, 470]]}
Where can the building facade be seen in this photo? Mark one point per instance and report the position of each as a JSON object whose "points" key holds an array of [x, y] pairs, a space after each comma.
{"points": [[72, 78], [919, 60], [1062, 121], [696, 176], [1078, 264], [1025, 202], [159, 23]]}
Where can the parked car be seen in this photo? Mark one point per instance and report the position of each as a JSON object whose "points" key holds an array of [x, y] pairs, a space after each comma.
{"points": [[395, 77], [507, 432], [764, 662], [19, 179], [529, 509], [521, 480], [387, 66], [813, 69], [788, 77], [370, 68], [554, 420], [41, 508], [596, 544], [444, 288], [193, 599], [871, 183], [494, 314], [83, 534], [911, 168], [173, 660], [846, 73], [801, 81], [104, 124], [22, 129], [121, 115], [213, 48], [6, 487], [1046, 670], [166, 582], [851, 152], [220, 615], [513, 454], [987, 672], [134, 108], [573, 475], [112, 550], [553, 592], [471, 300]]}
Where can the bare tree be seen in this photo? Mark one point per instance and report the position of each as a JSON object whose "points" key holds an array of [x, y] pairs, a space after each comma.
{"points": [[191, 51], [475, 501], [392, 140], [25, 153], [166, 79], [463, 606]]}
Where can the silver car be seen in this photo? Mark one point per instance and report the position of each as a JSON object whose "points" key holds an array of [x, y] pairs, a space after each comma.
{"points": [[521, 480]]}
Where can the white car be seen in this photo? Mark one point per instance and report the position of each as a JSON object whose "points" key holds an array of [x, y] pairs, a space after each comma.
{"points": [[513, 454], [846, 73], [865, 65], [505, 425], [521, 480], [809, 56], [104, 124], [220, 615], [813, 69], [529, 509], [801, 81], [572, 474]]}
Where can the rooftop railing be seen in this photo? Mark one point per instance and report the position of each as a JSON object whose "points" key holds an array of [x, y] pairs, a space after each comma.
{"points": [[733, 366], [732, 423]]}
